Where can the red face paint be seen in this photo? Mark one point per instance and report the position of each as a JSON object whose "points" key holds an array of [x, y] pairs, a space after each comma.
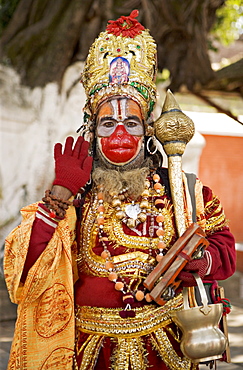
{"points": [[120, 147], [119, 130]]}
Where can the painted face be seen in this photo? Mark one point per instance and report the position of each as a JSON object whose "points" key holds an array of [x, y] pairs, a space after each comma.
{"points": [[119, 130]]}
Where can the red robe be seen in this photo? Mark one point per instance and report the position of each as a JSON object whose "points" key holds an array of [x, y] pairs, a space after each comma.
{"points": [[97, 291]]}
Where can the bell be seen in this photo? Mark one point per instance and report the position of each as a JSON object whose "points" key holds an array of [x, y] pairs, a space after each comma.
{"points": [[145, 193], [202, 339], [116, 202]]}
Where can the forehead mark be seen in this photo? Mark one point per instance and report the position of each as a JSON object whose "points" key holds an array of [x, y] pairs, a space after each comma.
{"points": [[119, 109]]}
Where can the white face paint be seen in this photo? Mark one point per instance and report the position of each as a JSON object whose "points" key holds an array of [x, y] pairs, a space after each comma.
{"points": [[117, 113], [119, 109]]}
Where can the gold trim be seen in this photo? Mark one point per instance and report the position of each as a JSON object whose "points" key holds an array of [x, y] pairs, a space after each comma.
{"points": [[217, 220], [107, 321], [91, 351], [128, 257], [161, 343], [127, 334], [129, 352], [138, 263], [215, 226], [127, 263], [115, 230]]}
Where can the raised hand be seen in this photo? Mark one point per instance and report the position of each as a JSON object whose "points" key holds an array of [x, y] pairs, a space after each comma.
{"points": [[72, 165]]}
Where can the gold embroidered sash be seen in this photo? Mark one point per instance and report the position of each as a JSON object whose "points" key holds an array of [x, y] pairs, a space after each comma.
{"points": [[129, 352], [107, 321]]}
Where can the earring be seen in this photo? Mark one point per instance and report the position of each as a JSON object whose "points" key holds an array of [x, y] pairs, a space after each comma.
{"points": [[153, 143]]}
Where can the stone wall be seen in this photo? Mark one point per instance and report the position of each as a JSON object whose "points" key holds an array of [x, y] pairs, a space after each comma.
{"points": [[31, 122]]}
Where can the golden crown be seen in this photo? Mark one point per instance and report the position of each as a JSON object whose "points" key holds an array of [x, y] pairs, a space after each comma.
{"points": [[121, 62]]}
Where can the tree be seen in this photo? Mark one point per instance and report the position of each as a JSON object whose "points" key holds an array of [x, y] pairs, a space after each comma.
{"points": [[44, 37]]}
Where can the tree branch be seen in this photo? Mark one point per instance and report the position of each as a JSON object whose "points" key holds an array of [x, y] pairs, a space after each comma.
{"points": [[219, 108]]}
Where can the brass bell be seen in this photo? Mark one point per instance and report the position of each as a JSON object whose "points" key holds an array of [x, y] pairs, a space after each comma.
{"points": [[145, 193], [116, 202], [144, 204]]}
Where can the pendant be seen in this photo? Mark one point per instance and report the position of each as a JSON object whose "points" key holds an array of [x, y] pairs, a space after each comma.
{"points": [[133, 210]]}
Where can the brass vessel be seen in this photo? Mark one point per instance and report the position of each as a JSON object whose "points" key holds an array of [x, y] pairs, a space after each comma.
{"points": [[202, 340]]}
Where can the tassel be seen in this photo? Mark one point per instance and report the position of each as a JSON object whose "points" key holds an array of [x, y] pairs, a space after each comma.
{"points": [[226, 305]]}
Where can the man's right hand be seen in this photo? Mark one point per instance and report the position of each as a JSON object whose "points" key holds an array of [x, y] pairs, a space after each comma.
{"points": [[72, 165]]}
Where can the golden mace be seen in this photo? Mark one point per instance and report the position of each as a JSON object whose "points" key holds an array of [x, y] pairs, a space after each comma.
{"points": [[174, 130]]}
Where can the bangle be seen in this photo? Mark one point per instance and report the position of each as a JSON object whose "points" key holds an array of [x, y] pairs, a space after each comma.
{"points": [[57, 206]]}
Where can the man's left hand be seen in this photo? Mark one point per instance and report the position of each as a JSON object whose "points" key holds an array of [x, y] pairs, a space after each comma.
{"points": [[200, 266]]}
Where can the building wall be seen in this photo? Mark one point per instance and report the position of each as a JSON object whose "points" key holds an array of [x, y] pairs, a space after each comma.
{"points": [[221, 168]]}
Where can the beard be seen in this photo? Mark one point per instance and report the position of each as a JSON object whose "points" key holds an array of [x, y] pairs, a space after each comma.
{"points": [[131, 176], [115, 179]]}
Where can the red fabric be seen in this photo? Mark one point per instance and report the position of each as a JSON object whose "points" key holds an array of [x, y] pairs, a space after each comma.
{"points": [[49, 214], [199, 266], [108, 346], [97, 291], [207, 194], [40, 236], [73, 166], [221, 248]]}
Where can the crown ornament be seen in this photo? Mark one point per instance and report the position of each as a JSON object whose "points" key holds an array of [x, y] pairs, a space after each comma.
{"points": [[121, 62]]}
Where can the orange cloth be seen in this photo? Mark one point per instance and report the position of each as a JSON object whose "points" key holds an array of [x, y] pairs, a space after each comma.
{"points": [[44, 332]]}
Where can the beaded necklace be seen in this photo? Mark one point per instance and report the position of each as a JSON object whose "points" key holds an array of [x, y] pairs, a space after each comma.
{"points": [[132, 214]]}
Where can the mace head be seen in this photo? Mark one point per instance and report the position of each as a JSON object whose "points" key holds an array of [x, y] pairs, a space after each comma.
{"points": [[173, 128]]}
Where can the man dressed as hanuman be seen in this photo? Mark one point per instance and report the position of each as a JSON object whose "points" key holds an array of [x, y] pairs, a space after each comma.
{"points": [[77, 263]]}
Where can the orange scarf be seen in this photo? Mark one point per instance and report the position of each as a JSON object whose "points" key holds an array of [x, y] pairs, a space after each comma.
{"points": [[44, 332]]}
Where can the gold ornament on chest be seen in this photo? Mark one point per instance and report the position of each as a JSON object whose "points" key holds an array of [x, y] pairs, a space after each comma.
{"points": [[132, 213], [146, 213]]}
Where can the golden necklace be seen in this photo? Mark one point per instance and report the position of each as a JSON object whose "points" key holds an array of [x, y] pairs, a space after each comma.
{"points": [[132, 214]]}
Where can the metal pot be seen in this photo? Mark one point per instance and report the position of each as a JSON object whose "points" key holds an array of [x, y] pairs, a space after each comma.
{"points": [[202, 340]]}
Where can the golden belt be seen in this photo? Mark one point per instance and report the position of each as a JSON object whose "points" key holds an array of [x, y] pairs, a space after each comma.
{"points": [[107, 321], [130, 352]]}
